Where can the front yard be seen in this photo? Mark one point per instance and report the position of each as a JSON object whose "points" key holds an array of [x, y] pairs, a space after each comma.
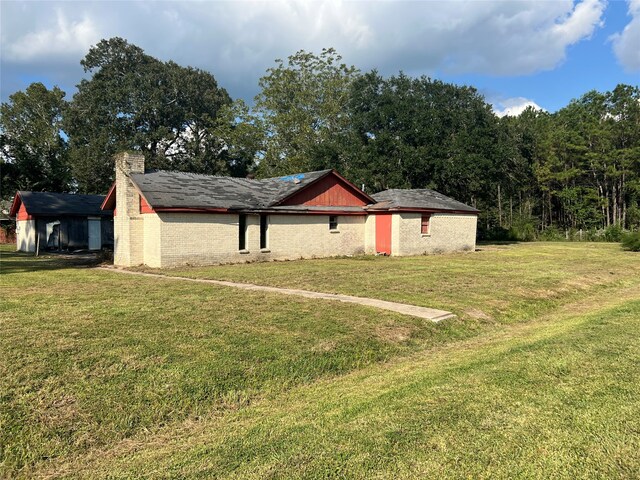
{"points": [[110, 376]]}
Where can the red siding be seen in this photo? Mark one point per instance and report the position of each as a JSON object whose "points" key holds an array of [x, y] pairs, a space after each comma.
{"points": [[329, 191], [23, 214], [144, 206]]}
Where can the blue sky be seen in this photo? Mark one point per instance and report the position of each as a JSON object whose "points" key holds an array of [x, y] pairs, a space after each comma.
{"points": [[515, 52]]}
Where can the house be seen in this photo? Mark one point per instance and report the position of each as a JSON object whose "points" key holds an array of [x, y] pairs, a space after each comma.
{"points": [[165, 219], [61, 221]]}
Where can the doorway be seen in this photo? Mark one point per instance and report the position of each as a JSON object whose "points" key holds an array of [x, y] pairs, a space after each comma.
{"points": [[95, 234], [383, 233]]}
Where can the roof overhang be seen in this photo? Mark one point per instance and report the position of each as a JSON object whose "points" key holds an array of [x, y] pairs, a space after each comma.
{"points": [[15, 205], [109, 202], [421, 210]]}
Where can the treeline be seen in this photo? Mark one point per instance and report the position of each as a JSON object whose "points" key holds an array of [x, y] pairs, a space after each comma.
{"points": [[538, 173]]}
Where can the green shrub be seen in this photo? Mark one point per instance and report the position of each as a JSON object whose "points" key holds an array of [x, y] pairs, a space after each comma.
{"points": [[613, 233], [523, 228], [495, 234], [631, 241], [551, 234]]}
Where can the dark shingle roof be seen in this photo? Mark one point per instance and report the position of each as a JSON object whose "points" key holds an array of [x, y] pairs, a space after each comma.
{"points": [[164, 189], [63, 204], [419, 199]]}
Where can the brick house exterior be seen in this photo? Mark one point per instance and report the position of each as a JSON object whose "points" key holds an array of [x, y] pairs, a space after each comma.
{"points": [[165, 219]]}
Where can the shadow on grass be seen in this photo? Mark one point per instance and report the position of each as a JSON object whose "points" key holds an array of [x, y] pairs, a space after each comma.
{"points": [[19, 262], [484, 243]]}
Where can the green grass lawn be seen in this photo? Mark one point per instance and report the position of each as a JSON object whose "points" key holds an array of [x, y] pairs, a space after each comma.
{"points": [[110, 376], [502, 283]]}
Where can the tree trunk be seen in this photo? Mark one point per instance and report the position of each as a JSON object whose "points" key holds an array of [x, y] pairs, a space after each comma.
{"points": [[510, 211], [499, 207]]}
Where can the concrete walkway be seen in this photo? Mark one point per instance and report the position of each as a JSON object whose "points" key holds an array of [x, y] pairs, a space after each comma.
{"points": [[413, 310]]}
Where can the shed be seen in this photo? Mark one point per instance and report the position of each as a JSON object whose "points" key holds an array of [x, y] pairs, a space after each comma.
{"points": [[61, 221]]}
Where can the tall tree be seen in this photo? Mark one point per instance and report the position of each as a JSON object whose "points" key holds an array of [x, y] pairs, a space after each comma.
{"points": [[418, 132], [302, 103], [34, 151], [135, 102]]}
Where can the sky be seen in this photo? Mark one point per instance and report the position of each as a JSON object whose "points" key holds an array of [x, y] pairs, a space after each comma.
{"points": [[515, 52]]}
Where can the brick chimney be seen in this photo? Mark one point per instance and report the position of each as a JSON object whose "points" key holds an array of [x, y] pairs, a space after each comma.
{"points": [[128, 224]]}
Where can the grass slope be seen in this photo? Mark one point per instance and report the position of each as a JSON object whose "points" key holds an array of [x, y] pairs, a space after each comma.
{"points": [[107, 375], [555, 400], [503, 283]]}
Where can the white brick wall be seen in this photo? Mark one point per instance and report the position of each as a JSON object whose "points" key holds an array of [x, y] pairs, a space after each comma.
{"points": [[201, 239], [447, 233], [152, 250], [370, 235]]}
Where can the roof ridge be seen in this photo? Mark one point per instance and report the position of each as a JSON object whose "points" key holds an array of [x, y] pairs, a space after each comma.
{"points": [[326, 170], [194, 174]]}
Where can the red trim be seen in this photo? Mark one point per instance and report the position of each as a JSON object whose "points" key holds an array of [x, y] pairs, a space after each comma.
{"points": [[15, 205], [306, 212], [256, 212], [110, 200], [422, 210], [192, 210], [355, 190]]}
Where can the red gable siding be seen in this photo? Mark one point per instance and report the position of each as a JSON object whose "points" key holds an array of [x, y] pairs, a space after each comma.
{"points": [[23, 214], [144, 206], [329, 191]]}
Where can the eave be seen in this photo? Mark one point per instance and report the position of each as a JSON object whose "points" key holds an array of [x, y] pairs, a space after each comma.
{"points": [[15, 205], [421, 210]]}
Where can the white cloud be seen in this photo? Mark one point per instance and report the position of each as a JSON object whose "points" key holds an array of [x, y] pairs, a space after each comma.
{"points": [[514, 106], [626, 44], [237, 41], [65, 37]]}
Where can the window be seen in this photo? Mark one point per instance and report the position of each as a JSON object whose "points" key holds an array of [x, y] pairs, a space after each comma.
{"points": [[333, 222], [264, 226], [242, 232], [425, 225]]}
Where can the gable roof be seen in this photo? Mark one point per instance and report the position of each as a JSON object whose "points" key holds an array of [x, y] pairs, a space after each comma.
{"points": [[58, 204], [418, 199], [179, 190]]}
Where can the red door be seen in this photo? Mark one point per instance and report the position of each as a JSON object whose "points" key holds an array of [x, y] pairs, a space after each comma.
{"points": [[383, 233]]}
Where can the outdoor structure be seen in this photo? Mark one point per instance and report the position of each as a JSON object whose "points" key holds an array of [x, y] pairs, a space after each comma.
{"points": [[166, 219], [61, 221]]}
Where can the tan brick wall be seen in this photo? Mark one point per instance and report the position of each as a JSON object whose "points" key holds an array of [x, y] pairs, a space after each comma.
{"points": [[152, 235], [306, 236], [447, 233], [26, 235], [204, 239], [128, 226], [370, 235]]}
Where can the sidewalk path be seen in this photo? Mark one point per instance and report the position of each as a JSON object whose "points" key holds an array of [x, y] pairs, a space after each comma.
{"points": [[413, 310]]}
